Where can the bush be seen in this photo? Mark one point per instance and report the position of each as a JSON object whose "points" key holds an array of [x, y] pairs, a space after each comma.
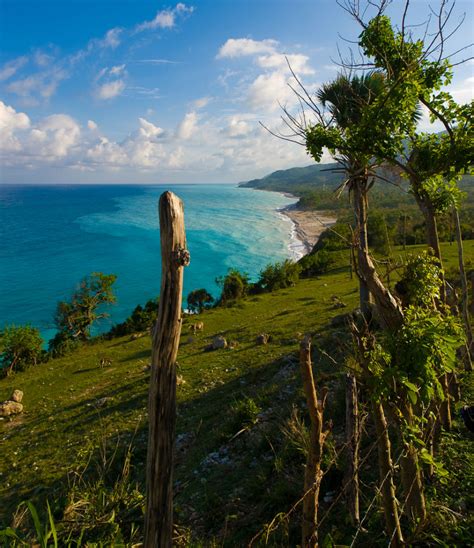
{"points": [[279, 275], [61, 344], [141, 319], [20, 347], [316, 263], [199, 299], [234, 286]]}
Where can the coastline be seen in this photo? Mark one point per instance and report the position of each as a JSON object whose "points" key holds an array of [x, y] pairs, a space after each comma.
{"points": [[307, 228]]}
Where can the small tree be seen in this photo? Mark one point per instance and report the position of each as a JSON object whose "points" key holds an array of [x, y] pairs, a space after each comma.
{"points": [[279, 275], [74, 318], [20, 347], [199, 299], [234, 286]]}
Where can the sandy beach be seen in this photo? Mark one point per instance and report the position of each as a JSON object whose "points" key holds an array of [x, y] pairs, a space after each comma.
{"points": [[308, 226]]}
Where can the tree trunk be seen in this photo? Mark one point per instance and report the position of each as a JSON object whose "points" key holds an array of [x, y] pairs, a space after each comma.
{"points": [[392, 522], [465, 295], [353, 441], [313, 473], [162, 393], [360, 209], [390, 311], [414, 504]]}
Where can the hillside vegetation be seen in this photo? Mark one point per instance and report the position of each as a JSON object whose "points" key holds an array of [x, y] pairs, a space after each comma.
{"points": [[241, 431]]}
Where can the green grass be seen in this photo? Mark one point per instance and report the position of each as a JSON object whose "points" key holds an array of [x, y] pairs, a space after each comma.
{"points": [[226, 486]]}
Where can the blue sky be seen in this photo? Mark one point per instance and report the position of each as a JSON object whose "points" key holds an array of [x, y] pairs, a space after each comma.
{"points": [[141, 91]]}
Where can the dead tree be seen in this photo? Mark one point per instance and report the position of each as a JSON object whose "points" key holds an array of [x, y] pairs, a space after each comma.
{"points": [[313, 472], [162, 393]]}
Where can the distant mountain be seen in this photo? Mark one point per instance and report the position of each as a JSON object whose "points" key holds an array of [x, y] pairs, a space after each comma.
{"points": [[298, 179]]}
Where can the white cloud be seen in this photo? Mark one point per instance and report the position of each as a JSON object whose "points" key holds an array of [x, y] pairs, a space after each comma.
{"points": [[279, 61], [237, 127], [188, 126], [111, 38], [10, 121], [10, 68], [111, 89], [117, 70], [240, 47], [267, 89], [92, 125], [165, 19], [54, 137], [202, 102], [41, 84], [148, 130]]}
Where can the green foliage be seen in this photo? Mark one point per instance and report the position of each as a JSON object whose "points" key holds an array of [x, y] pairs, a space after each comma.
{"points": [[20, 347], [235, 285], [199, 299], [141, 319], [316, 264], [279, 275], [379, 234], [420, 284], [44, 533], [61, 345], [74, 318]]}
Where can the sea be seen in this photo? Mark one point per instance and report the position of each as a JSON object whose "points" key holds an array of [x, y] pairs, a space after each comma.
{"points": [[52, 236]]}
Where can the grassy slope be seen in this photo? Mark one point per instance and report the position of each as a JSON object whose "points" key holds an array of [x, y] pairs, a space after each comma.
{"points": [[61, 421]]}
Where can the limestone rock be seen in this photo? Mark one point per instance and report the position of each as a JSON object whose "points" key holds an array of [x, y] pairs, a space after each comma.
{"points": [[17, 396], [8, 408]]}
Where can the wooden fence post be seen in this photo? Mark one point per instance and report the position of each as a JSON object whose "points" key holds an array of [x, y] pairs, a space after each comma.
{"points": [[162, 393]]}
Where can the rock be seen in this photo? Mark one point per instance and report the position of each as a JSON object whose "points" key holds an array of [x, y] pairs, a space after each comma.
{"points": [[219, 342], [263, 338], [17, 396], [8, 408], [136, 336]]}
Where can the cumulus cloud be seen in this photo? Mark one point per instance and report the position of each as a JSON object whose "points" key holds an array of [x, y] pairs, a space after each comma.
{"points": [[54, 136], [10, 68], [147, 130], [165, 19], [188, 126], [10, 121], [92, 125], [240, 47], [110, 90], [272, 72]]}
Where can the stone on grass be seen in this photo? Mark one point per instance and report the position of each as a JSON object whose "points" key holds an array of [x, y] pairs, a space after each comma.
{"points": [[17, 396], [8, 408]]}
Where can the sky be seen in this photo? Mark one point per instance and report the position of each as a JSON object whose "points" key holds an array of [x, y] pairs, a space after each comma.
{"points": [[142, 91]]}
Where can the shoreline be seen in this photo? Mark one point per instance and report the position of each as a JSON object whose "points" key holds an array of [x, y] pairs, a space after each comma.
{"points": [[307, 228]]}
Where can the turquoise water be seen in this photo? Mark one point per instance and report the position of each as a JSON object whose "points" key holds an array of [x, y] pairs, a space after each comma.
{"points": [[52, 236]]}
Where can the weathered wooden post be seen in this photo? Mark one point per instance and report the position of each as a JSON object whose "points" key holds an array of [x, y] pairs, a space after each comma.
{"points": [[162, 393]]}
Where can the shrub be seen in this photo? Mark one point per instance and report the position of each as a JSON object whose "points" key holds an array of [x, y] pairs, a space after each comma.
{"points": [[21, 346], [316, 263], [61, 344], [234, 286], [199, 299], [141, 319], [279, 275]]}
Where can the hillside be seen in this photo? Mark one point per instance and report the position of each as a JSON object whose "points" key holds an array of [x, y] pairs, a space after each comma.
{"points": [[298, 179], [240, 431]]}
